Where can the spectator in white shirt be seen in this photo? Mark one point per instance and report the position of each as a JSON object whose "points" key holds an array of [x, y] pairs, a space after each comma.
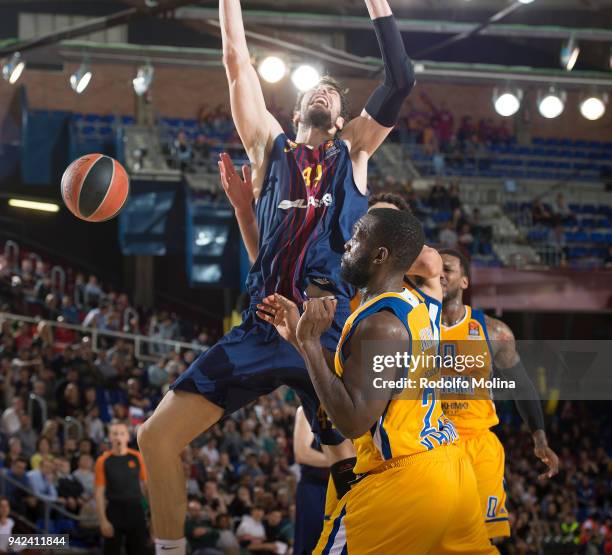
{"points": [[84, 474], [11, 423], [6, 524], [251, 527], [448, 237]]}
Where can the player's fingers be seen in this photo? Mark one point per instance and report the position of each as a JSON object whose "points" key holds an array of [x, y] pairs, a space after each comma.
{"points": [[246, 173], [228, 165], [264, 316]]}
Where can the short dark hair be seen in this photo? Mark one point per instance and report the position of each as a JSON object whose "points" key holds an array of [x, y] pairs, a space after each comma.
{"points": [[463, 260], [400, 232], [345, 108], [390, 198]]}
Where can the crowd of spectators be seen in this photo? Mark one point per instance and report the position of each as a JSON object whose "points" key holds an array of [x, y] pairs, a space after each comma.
{"points": [[434, 127], [447, 222]]}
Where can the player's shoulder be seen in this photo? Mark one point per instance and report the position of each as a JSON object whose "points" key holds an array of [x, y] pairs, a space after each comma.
{"points": [[498, 330], [381, 325]]}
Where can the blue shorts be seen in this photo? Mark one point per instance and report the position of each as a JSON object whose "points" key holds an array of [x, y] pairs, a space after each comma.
{"points": [[252, 360], [309, 514]]}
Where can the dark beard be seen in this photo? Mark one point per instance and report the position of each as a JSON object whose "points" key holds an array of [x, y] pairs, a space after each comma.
{"points": [[318, 117], [356, 273]]}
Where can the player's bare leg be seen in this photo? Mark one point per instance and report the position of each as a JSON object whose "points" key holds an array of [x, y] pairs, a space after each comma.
{"points": [[178, 419]]}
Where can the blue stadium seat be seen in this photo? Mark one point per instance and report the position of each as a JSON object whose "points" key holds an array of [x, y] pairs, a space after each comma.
{"points": [[127, 120], [581, 144], [89, 130], [108, 119], [609, 238], [565, 142], [589, 209], [92, 118], [595, 144], [105, 131], [581, 237], [598, 238], [538, 141]]}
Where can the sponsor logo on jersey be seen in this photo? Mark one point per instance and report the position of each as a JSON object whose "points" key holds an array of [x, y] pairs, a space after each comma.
{"points": [[326, 200], [473, 329]]}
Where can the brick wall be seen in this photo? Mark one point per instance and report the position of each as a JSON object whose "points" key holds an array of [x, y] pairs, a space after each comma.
{"points": [[180, 92]]}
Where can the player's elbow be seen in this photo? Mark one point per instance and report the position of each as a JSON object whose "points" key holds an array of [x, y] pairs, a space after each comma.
{"points": [[404, 79], [430, 263], [234, 61], [351, 428]]}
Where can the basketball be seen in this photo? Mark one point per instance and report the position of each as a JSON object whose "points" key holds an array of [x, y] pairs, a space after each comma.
{"points": [[95, 187]]}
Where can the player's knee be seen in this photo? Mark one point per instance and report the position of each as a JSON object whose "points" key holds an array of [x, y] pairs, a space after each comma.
{"points": [[149, 436]]}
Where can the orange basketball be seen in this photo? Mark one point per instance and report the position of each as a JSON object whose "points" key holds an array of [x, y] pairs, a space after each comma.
{"points": [[95, 187]]}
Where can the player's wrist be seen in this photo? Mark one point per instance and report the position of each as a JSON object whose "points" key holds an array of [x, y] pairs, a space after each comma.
{"points": [[539, 438]]}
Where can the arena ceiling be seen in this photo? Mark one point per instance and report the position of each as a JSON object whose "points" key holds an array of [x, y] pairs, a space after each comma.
{"points": [[528, 35]]}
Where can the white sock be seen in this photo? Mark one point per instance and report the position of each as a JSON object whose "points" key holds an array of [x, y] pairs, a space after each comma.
{"points": [[170, 547]]}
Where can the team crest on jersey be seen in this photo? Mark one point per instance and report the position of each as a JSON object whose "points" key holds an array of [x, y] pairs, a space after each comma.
{"points": [[473, 329], [291, 145], [331, 149]]}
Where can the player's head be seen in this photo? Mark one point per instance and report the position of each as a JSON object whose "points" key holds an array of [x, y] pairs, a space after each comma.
{"points": [[455, 274], [388, 200], [385, 241], [324, 107]]}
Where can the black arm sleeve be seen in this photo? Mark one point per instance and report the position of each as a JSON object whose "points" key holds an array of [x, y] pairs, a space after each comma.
{"points": [[386, 101], [525, 395]]}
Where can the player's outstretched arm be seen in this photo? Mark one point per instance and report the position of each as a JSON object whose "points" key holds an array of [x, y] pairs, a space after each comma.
{"points": [[508, 366], [428, 268], [349, 400], [240, 194], [256, 126], [366, 132]]}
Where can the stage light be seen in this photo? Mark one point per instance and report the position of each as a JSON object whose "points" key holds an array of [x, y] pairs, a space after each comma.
{"points": [[33, 205], [80, 78], [143, 79], [552, 103], [594, 107], [13, 68], [526, 1], [305, 77], [569, 54], [507, 102], [272, 69]]}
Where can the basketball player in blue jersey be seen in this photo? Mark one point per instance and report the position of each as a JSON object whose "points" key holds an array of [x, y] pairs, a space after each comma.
{"points": [[466, 331], [307, 195]]}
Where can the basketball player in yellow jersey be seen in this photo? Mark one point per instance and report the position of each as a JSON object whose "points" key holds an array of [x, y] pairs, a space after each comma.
{"points": [[466, 331], [415, 494]]}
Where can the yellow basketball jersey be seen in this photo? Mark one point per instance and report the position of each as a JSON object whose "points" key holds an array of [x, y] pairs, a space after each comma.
{"points": [[469, 337], [413, 421]]}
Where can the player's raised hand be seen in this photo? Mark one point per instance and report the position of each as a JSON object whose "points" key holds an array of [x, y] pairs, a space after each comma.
{"points": [[239, 191], [282, 313], [549, 458], [317, 318]]}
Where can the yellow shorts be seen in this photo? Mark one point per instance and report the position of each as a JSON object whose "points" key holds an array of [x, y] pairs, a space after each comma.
{"points": [[424, 504], [486, 453]]}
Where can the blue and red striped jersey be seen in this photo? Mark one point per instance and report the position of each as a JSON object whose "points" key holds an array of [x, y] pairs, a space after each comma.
{"points": [[305, 213]]}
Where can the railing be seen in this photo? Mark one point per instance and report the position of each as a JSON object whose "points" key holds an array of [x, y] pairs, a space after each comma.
{"points": [[140, 341], [48, 506]]}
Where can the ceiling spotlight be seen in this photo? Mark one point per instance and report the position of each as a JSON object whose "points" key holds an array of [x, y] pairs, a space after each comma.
{"points": [[143, 79], [13, 68], [526, 1], [569, 54], [552, 103], [594, 107], [305, 77], [272, 69], [80, 78], [507, 102]]}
